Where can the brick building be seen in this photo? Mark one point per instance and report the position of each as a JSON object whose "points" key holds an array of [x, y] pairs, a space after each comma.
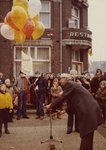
{"points": [[63, 46]]}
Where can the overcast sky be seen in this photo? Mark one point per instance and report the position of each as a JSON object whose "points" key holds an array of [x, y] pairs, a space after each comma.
{"points": [[97, 24]]}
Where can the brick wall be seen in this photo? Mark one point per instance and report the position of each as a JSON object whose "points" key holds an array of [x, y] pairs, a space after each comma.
{"points": [[6, 48], [6, 53]]}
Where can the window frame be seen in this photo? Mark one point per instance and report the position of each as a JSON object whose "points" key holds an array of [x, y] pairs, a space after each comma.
{"points": [[74, 56], [33, 60], [73, 16], [47, 12]]}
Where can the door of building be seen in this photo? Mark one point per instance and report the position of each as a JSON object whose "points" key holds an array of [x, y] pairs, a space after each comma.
{"points": [[78, 66]]}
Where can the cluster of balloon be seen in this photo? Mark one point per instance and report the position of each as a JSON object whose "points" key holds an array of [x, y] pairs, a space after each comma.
{"points": [[22, 21]]}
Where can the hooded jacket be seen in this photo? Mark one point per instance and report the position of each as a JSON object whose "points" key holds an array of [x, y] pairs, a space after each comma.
{"points": [[6, 101]]}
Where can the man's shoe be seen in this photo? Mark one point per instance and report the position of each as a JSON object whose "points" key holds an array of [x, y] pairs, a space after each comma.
{"points": [[26, 117], [41, 117], [68, 132], [7, 132], [37, 117], [18, 118]]}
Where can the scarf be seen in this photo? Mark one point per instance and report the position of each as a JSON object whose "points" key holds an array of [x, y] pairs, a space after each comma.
{"points": [[26, 87]]}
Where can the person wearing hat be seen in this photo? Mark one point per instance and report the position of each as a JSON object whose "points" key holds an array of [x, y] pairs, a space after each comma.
{"points": [[11, 91], [6, 107], [85, 107], [21, 86], [2, 81]]}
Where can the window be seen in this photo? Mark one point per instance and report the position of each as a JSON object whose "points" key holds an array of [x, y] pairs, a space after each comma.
{"points": [[45, 14], [75, 55], [41, 58], [75, 13]]}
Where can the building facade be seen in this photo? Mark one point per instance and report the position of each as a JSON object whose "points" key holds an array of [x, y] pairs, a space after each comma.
{"points": [[63, 46]]}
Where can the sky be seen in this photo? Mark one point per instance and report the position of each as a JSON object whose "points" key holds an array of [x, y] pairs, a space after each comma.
{"points": [[97, 24]]}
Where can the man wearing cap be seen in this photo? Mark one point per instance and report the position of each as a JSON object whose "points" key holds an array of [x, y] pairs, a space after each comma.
{"points": [[21, 86], [85, 107], [2, 81]]}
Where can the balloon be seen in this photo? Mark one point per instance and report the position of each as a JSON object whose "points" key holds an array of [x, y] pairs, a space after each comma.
{"points": [[34, 7], [29, 28], [19, 16], [7, 32], [19, 36], [5, 21], [9, 21], [1, 24], [39, 30], [35, 19], [22, 3]]}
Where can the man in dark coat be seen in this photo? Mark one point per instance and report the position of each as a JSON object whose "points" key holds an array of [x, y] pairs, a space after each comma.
{"points": [[40, 89], [85, 106]]}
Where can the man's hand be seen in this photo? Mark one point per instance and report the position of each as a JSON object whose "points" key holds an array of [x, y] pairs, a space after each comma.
{"points": [[47, 107], [61, 112]]}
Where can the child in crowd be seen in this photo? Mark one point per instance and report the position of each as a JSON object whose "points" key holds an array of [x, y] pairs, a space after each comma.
{"points": [[11, 91], [6, 107], [101, 99], [55, 90]]}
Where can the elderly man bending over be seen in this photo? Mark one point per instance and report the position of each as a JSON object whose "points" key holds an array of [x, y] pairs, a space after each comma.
{"points": [[85, 106]]}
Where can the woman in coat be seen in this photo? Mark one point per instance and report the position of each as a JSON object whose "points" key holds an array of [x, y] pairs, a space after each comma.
{"points": [[101, 99]]}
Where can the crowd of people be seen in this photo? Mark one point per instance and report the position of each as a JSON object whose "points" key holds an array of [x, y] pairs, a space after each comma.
{"points": [[44, 90]]}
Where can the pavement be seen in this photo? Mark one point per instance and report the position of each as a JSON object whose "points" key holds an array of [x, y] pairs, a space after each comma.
{"points": [[27, 134]]}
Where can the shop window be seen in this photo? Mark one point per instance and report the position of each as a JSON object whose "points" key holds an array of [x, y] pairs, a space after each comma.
{"points": [[75, 14], [45, 14], [41, 58]]}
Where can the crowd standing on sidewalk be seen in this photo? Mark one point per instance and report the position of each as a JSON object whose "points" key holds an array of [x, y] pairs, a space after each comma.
{"points": [[45, 88]]}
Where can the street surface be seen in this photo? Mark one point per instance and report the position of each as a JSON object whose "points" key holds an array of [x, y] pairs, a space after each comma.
{"points": [[27, 134]]}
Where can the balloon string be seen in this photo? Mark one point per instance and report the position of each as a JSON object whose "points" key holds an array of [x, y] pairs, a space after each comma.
{"points": [[2, 17]]}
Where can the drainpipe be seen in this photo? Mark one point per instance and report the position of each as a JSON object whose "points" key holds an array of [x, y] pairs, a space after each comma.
{"points": [[60, 36]]}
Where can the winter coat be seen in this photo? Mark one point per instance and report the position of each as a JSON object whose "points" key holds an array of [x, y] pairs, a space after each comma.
{"points": [[95, 84], [22, 84], [11, 91], [6, 101], [55, 91], [101, 97], [86, 108], [41, 83]]}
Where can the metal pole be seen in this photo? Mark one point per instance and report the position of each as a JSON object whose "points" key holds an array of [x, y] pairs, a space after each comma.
{"points": [[60, 36]]}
